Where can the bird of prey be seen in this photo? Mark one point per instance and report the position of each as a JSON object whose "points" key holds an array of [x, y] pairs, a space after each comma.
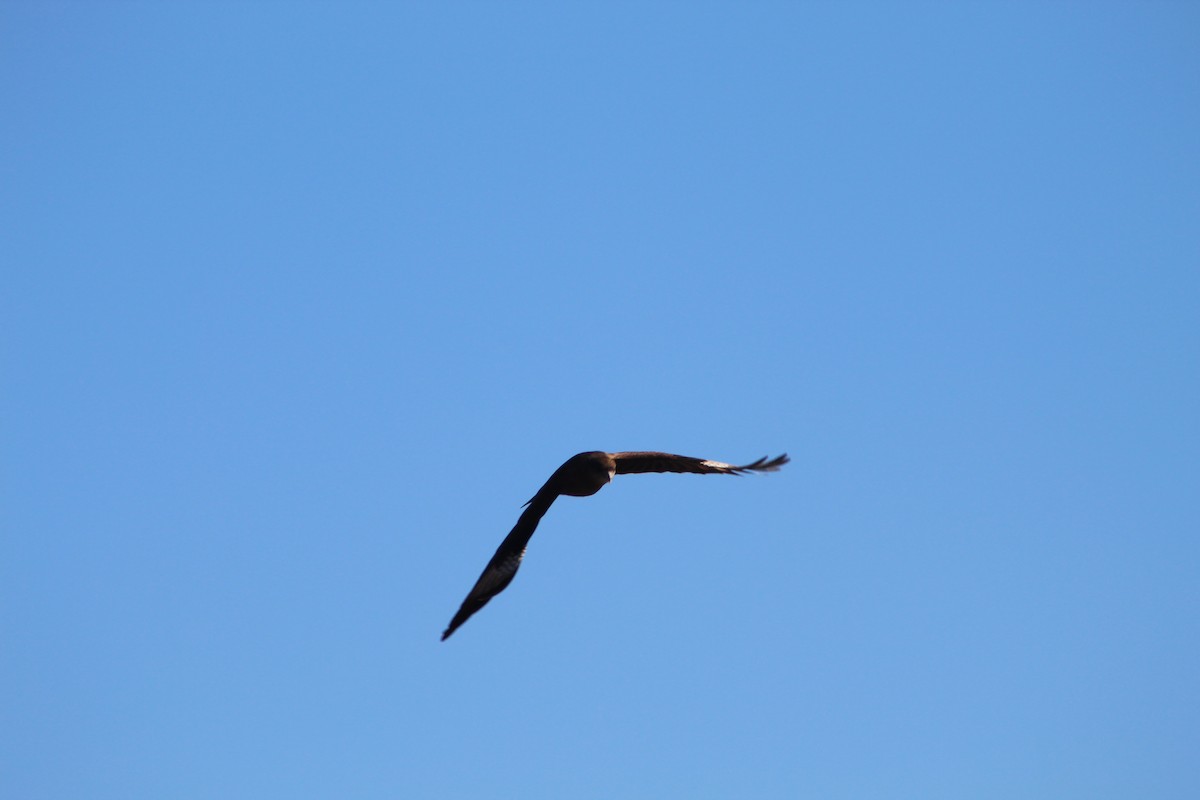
{"points": [[580, 476]]}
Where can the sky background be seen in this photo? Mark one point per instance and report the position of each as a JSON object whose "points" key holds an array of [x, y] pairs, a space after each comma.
{"points": [[301, 302]]}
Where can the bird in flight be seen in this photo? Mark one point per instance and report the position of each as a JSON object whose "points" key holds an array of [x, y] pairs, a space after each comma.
{"points": [[580, 476]]}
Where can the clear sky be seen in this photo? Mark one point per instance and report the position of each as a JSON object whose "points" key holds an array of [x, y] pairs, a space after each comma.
{"points": [[301, 302]]}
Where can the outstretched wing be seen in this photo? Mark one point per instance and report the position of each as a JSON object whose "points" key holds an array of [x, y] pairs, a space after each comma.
{"points": [[499, 572], [667, 462]]}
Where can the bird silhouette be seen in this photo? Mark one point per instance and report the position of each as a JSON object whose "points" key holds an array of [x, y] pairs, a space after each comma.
{"points": [[580, 476]]}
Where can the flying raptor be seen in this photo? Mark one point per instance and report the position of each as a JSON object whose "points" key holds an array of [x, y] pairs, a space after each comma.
{"points": [[581, 475]]}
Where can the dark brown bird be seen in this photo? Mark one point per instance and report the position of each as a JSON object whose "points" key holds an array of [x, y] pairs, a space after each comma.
{"points": [[581, 475]]}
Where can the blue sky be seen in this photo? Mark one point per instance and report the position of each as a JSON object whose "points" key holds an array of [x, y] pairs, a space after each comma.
{"points": [[301, 302]]}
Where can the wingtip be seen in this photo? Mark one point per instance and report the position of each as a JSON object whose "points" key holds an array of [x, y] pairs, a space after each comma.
{"points": [[766, 464]]}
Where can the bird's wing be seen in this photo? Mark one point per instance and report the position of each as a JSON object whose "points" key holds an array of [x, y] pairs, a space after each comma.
{"points": [[500, 570], [668, 462]]}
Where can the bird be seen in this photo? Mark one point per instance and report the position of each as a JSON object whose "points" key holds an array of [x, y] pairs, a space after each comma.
{"points": [[582, 475]]}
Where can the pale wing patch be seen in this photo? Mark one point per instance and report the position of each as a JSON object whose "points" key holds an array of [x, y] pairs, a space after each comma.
{"points": [[716, 465]]}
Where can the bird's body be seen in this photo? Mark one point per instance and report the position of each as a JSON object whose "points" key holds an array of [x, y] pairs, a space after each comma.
{"points": [[581, 475]]}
